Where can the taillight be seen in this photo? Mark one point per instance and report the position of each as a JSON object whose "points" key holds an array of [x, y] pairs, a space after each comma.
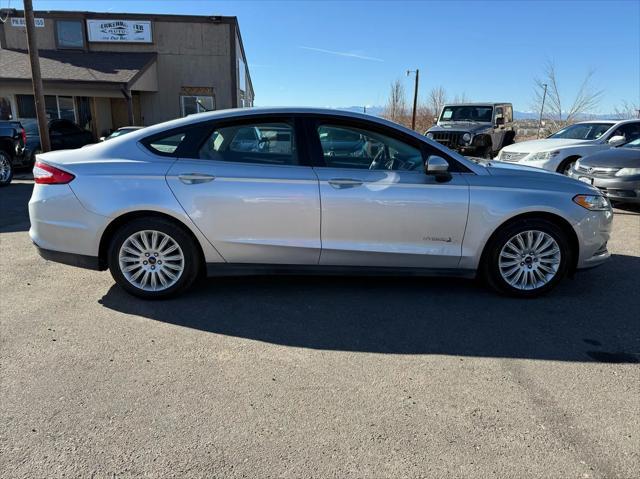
{"points": [[23, 133], [45, 174]]}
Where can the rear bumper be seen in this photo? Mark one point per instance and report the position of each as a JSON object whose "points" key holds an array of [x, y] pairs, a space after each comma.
{"points": [[59, 223], [71, 259]]}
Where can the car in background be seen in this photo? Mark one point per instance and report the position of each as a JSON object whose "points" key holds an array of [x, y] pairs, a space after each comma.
{"points": [[161, 206], [474, 129], [561, 150], [615, 172], [63, 134], [12, 145], [120, 131]]}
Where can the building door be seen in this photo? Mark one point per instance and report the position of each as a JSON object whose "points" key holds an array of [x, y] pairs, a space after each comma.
{"points": [[120, 111]]}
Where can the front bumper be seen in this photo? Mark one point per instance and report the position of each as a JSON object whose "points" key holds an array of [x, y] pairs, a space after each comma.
{"points": [[593, 232], [616, 189]]}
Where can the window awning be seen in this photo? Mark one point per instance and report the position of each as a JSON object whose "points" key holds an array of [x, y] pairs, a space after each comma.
{"points": [[122, 70]]}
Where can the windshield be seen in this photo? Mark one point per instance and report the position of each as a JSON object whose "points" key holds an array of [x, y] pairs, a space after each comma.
{"points": [[467, 113], [632, 144], [583, 131]]}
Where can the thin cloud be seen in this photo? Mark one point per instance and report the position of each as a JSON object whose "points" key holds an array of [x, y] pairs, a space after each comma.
{"points": [[343, 54]]}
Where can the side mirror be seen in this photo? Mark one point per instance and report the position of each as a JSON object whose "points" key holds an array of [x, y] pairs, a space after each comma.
{"points": [[617, 140], [438, 167], [499, 121]]}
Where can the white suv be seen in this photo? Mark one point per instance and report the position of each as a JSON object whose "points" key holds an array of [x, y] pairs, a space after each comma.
{"points": [[562, 149]]}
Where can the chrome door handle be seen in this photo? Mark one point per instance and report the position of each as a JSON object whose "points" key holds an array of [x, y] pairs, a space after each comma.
{"points": [[343, 183], [195, 178]]}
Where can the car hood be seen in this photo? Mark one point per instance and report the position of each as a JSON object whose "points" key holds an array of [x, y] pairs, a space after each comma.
{"points": [[535, 178], [469, 126], [614, 158], [534, 146]]}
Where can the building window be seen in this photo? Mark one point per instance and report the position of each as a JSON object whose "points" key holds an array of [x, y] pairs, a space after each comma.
{"points": [[55, 107], [5, 109], [70, 34], [196, 104]]}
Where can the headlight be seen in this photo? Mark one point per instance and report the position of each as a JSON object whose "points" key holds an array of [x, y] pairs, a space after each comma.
{"points": [[543, 156], [628, 172], [430, 136], [592, 202], [466, 138]]}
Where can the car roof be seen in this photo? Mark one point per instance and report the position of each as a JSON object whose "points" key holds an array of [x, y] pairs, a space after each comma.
{"points": [[258, 111], [611, 122], [479, 103]]}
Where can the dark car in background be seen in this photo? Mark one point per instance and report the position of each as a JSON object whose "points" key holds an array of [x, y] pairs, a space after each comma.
{"points": [[12, 146], [64, 135], [120, 131], [474, 129], [616, 172]]}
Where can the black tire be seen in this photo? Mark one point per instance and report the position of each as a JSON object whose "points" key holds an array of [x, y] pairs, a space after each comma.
{"points": [[566, 166], [192, 258], [490, 270], [6, 169]]}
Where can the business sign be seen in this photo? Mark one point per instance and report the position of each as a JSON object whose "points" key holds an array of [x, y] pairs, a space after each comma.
{"points": [[119, 31], [20, 22]]}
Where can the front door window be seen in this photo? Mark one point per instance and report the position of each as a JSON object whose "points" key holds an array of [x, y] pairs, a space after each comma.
{"points": [[351, 147]]}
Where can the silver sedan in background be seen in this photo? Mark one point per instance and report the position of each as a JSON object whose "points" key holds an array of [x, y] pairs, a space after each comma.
{"points": [[298, 190]]}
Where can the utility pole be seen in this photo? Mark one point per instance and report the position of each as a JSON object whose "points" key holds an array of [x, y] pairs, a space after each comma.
{"points": [[415, 97], [34, 59], [364, 109], [544, 97]]}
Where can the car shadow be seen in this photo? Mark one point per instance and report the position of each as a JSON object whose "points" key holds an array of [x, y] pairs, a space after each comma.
{"points": [[593, 317], [14, 206]]}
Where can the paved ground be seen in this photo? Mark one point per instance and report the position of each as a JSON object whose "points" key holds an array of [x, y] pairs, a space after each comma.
{"points": [[316, 377]]}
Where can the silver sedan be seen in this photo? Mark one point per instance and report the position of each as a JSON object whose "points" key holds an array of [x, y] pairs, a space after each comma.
{"points": [[262, 191]]}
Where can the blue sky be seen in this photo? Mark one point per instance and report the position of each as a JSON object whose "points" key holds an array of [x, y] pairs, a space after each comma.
{"points": [[343, 53]]}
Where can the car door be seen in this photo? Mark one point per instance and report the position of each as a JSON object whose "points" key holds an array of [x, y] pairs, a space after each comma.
{"points": [[386, 211], [256, 200]]}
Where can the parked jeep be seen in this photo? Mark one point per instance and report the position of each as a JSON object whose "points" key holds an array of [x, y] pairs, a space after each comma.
{"points": [[474, 129]]}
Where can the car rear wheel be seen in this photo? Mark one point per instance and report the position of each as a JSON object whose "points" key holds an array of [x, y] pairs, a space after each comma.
{"points": [[153, 258], [6, 169], [527, 258]]}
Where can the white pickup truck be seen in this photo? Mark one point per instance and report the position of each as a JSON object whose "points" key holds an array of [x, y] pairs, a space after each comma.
{"points": [[561, 150]]}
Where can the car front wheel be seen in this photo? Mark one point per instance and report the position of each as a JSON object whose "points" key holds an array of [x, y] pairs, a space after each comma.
{"points": [[153, 258], [6, 169], [527, 258]]}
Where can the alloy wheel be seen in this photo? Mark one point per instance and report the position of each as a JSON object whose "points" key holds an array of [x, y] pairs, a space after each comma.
{"points": [[151, 260], [5, 168], [529, 260]]}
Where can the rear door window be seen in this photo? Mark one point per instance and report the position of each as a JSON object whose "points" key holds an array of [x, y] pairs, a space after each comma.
{"points": [[269, 143]]}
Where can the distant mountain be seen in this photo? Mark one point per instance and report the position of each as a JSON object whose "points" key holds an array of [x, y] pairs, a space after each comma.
{"points": [[371, 110]]}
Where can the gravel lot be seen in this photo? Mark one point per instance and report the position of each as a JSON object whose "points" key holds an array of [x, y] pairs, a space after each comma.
{"points": [[316, 377]]}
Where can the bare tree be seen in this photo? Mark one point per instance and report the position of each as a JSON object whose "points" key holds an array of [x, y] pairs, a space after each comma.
{"points": [[556, 113], [627, 110], [461, 98], [437, 99], [396, 107]]}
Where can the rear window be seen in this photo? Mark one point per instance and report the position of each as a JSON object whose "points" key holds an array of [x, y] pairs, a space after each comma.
{"points": [[166, 145]]}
